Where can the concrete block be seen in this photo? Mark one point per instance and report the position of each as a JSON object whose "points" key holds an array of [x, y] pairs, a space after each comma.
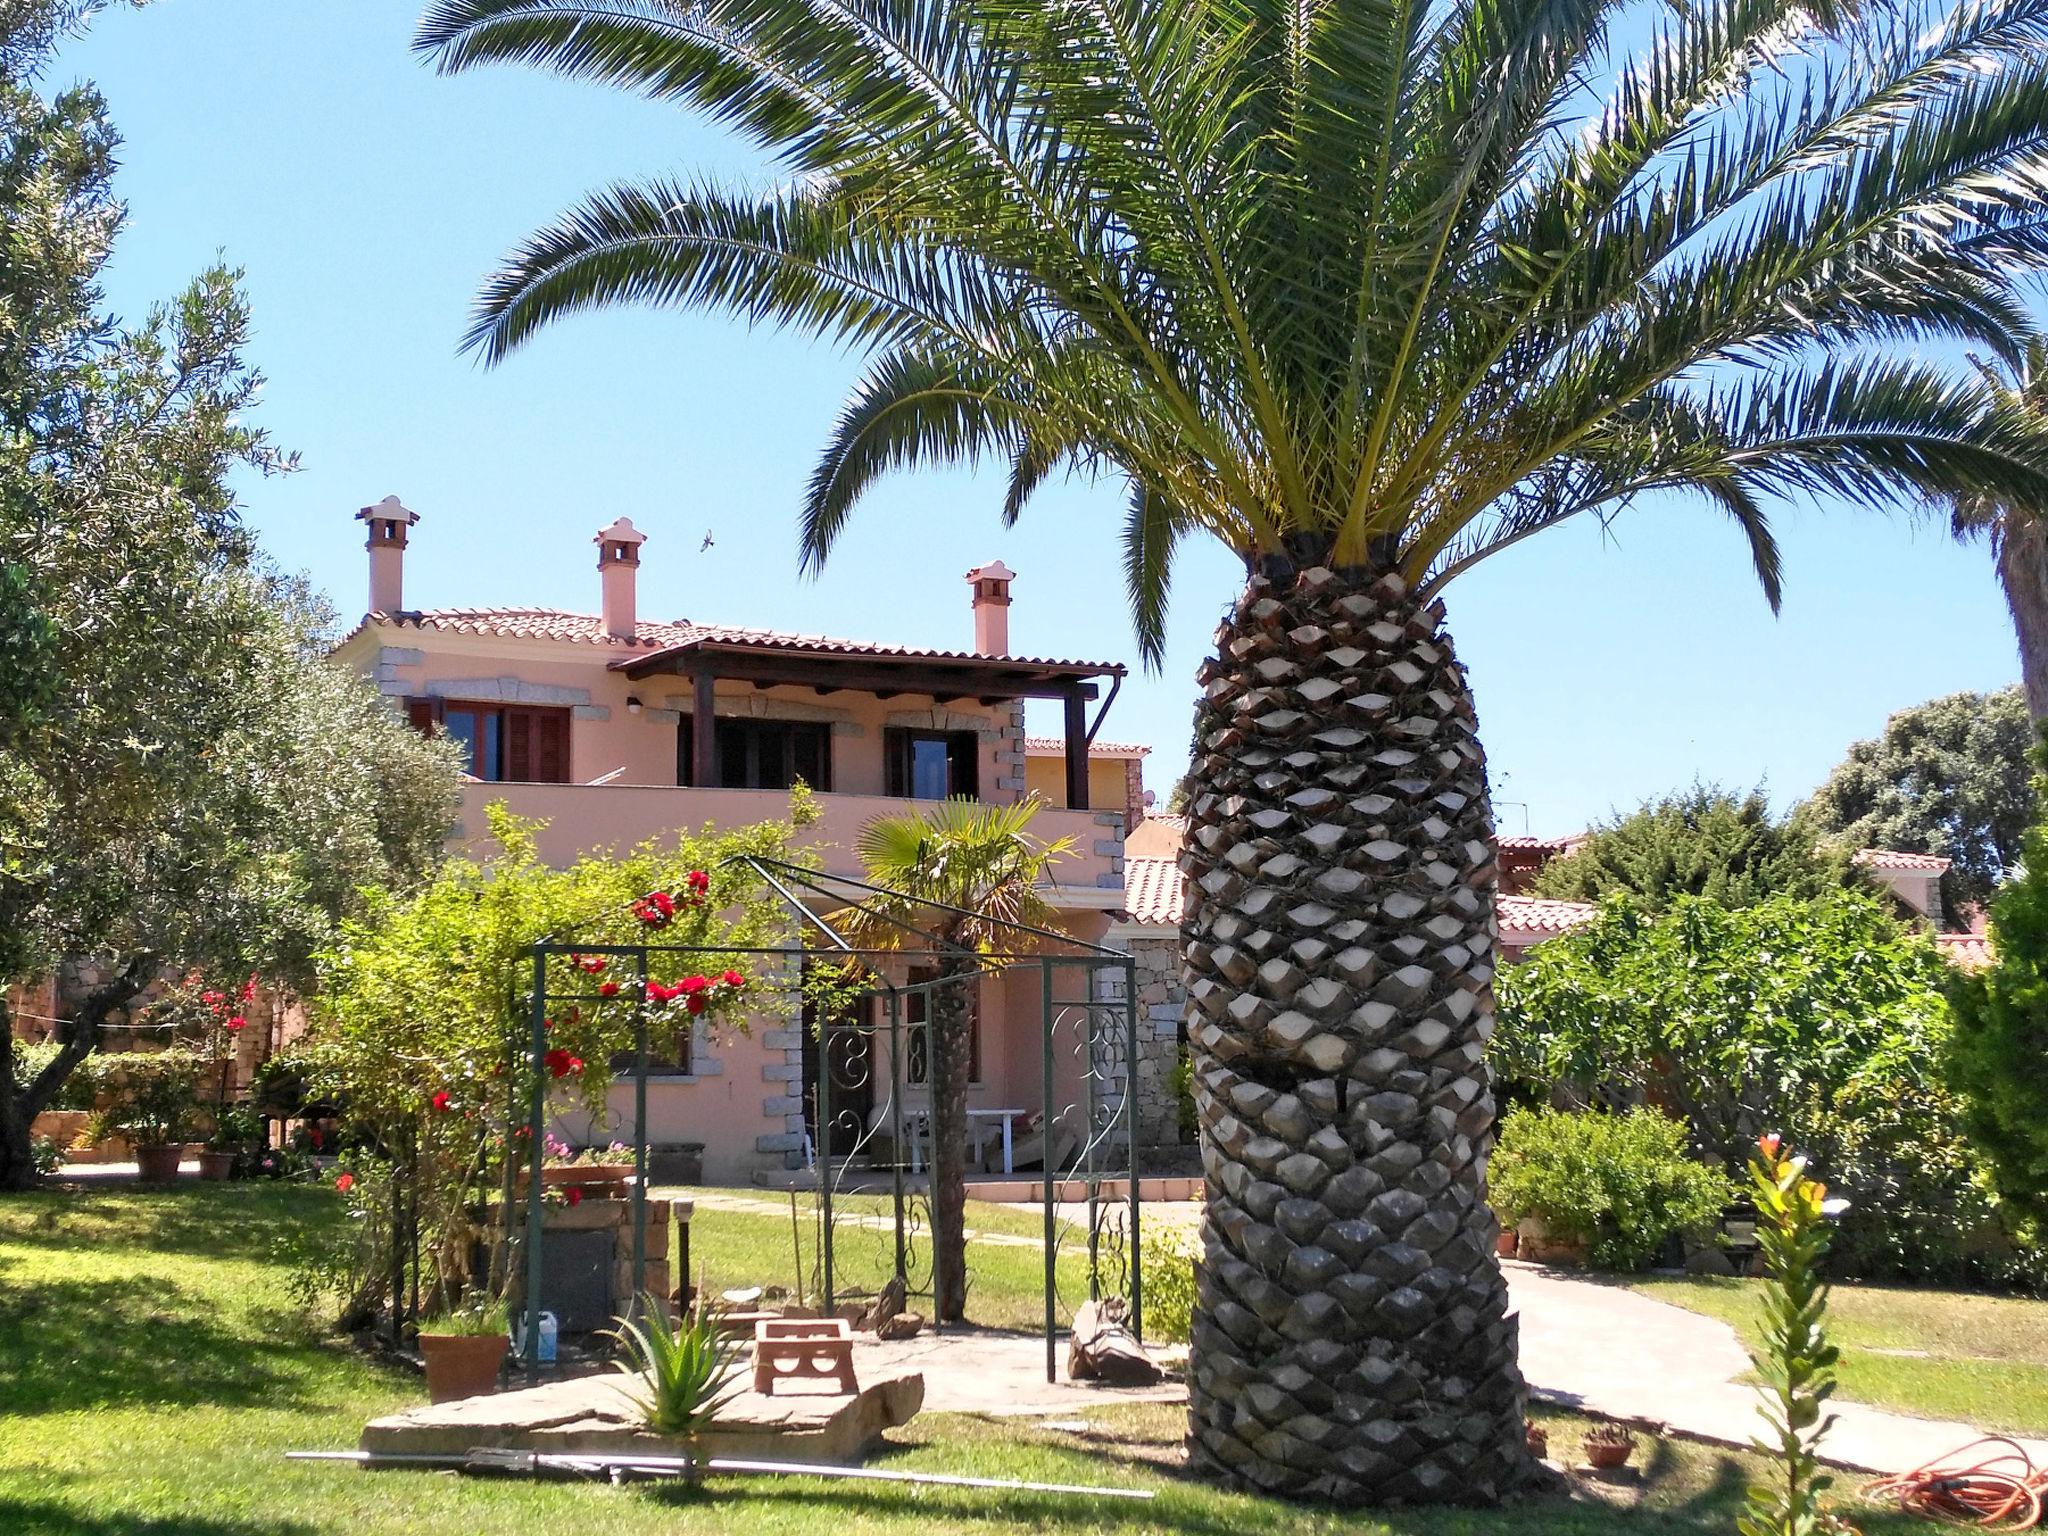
{"points": [[783, 1141]]}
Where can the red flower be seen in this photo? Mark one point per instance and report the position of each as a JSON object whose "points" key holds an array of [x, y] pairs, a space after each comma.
{"points": [[560, 1063], [343, 1183], [733, 979], [249, 988], [523, 1131], [441, 1102], [697, 883], [655, 909], [697, 1002], [594, 964], [213, 1000], [692, 984], [573, 1195], [609, 989], [236, 1021]]}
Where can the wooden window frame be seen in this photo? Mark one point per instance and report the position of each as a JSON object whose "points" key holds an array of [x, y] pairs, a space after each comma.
{"points": [[427, 714], [963, 753], [750, 728]]}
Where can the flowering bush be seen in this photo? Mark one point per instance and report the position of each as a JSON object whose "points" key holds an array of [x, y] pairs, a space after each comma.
{"points": [[423, 1025]]}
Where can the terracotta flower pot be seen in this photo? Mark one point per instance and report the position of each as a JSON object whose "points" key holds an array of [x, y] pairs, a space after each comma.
{"points": [[1609, 1454], [159, 1164], [1506, 1244], [1539, 1441], [216, 1167], [462, 1365]]}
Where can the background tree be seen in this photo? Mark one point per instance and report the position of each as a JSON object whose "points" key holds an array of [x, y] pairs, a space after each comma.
{"points": [[983, 863], [182, 779], [1369, 293], [1824, 1019], [1948, 777], [1999, 1062], [1705, 841]]}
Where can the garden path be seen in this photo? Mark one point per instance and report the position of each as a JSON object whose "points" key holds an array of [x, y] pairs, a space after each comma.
{"points": [[1601, 1347]]}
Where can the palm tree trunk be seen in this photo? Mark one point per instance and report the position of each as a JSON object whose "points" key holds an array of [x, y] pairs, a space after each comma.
{"points": [[2023, 572], [950, 1044], [1351, 1334]]}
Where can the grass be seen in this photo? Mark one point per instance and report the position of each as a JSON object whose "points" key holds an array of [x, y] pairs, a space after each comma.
{"points": [[154, 1367], [1006, 1282], [1938, 1354]]}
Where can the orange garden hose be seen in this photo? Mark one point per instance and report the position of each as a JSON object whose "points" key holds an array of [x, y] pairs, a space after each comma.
{"points": [[1998, 1490]]}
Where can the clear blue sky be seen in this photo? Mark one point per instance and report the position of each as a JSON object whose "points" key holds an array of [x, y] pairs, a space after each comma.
{"points": [[366, 197]]}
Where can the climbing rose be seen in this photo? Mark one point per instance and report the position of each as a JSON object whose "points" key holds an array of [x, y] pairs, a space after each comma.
{"points": [[692, 984], [697, 1002], [560, 1063], [609, 989], [733, 979], [236, 1021], [655, 909], [594, 964], [249, 988], [344, 1183], [441, 1101], [573, 1195]]}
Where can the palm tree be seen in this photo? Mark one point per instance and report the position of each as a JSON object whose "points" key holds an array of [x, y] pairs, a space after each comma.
{"points": [[1370, 290], [967, 874], [2018, 532]]}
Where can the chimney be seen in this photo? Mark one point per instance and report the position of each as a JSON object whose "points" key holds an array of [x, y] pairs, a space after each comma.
{"points": [[618, 564], [991, 584], [389, 523]]}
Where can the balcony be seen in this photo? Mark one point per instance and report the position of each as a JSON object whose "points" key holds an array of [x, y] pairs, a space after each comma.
{"points": [[583, 818]]}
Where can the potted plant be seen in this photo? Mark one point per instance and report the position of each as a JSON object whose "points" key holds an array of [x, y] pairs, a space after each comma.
{"points": [[464, 1348], [596, 1171], [152, 1107], [232, 1148], [1609, 1445]]}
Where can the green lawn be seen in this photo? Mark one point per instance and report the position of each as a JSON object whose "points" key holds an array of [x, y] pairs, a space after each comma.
{"points": [[153, 1367], [1939, 1354], [1006, 1283]]}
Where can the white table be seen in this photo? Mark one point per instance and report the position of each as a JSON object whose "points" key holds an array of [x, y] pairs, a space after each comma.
{"points": [[1008, 1117]]}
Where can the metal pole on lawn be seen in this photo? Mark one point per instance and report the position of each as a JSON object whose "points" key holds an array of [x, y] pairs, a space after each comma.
{"points": [[1092, 1151], [823, 1151], [536, 1104], [1047, 1142], [1130, 1012], [895, 1005], [640, 1148]]}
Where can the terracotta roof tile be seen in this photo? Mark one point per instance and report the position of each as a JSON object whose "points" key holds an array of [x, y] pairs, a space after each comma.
{"points": [[1055, 746], [1892, 858], [654, 635], [1155, 891], [1534, 914], [1523, 840], [1965, 951]]}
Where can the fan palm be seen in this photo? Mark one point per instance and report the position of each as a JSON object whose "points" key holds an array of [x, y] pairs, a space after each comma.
{"points": [[968, 875], [1369, 290], [2018, 534]]}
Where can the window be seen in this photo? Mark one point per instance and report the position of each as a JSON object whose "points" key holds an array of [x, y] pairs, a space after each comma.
{"points": [[917, 1045], [932, 765], [670, 1051], [761, 754], [503, 742]]}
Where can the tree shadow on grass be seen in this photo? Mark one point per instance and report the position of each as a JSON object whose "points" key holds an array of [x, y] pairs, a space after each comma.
{"points": [[40, 1517], [67, 1345]]}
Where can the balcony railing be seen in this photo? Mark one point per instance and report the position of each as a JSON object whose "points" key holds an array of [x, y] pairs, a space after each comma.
{"points": [[584, 818]]}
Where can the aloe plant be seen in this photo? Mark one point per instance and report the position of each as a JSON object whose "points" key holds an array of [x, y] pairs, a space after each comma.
{"points": [[687, 1373]]}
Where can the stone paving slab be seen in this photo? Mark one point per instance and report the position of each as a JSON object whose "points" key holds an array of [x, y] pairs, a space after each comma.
{"points": [[593, 1413]]}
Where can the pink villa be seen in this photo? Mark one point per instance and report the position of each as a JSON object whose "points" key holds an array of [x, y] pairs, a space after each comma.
{"points": [[615, 728]]}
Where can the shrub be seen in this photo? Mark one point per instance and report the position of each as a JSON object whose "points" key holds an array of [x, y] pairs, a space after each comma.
{"points": [[1620, 1184], [1167, 1264]]}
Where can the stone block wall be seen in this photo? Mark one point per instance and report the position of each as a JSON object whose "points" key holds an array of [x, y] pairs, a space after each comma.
{"points": [[1155, 957]]}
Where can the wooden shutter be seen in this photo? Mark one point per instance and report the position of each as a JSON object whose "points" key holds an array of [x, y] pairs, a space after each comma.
{"points": [[896, 755], [537, 746]]}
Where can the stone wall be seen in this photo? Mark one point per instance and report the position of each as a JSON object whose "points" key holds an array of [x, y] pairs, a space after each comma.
{"points": [[1155, 957]]}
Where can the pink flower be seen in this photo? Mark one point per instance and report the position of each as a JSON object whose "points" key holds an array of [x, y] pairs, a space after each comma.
{"points": [[343, 1183]]}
